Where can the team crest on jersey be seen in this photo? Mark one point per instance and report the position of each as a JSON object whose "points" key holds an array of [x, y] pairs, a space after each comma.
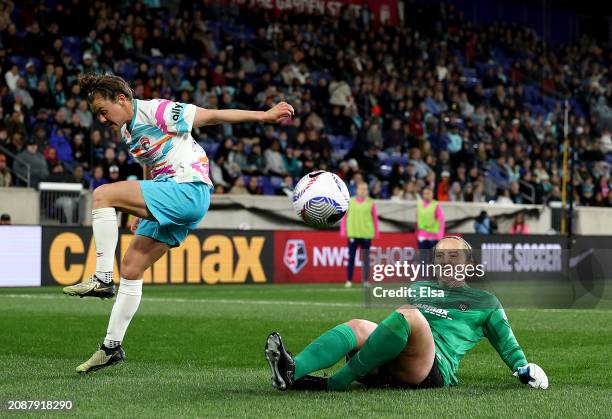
{"points": [[463, 306], [145, 142], [295, 257]]}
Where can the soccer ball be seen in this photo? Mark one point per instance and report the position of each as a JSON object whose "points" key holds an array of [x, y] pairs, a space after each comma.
{"points": [[320, 199]]}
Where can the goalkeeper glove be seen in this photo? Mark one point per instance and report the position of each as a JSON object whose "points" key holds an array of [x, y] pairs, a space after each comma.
{"points": [[533, 375]]}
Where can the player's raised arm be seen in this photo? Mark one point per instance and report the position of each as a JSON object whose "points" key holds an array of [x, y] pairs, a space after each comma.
{"points": [[276, 114], [497, 329]]}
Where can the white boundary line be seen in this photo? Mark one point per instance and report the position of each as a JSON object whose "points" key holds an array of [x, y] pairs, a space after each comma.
{"points": [[194, 300], [280, 303]]}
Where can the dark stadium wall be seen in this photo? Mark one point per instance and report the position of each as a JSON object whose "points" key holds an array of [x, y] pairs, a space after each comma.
{"points": [[62, 256]]}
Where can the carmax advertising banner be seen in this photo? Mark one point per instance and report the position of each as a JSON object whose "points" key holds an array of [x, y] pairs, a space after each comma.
{"points": [[205, 257]]}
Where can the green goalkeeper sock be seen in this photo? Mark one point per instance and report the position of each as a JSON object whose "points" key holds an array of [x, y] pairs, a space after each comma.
{"points": [[384, 344], [325, 350]]}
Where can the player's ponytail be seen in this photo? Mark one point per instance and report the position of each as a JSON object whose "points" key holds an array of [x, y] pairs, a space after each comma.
{"points": [[105, 86]]}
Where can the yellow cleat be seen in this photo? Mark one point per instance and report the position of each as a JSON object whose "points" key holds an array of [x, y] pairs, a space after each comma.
{"points": [[102, 358]]}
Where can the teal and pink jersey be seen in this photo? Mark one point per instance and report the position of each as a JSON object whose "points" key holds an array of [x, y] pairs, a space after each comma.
{"points": [[159, 136]]}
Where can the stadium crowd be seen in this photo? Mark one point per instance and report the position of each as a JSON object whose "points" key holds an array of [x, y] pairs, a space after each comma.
{"points": [[474, 112]]}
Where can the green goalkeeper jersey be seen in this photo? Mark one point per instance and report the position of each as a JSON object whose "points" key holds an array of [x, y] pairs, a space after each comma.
{"points": [[459, 318]]}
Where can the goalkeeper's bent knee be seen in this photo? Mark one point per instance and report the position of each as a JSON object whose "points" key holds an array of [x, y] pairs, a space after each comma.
{"points": [[398, 324]]}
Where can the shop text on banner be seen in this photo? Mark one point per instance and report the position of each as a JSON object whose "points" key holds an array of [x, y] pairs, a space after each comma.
{"points": [[322, 256]]}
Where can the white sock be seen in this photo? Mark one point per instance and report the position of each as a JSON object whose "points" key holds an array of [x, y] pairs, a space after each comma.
{"points": [[128, 299], [106, 234]]}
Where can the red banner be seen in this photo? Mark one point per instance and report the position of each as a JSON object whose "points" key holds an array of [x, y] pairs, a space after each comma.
{"points": [[382, 10], [313, 256]]}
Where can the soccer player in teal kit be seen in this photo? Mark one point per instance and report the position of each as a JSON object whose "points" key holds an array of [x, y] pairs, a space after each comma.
{"points": [[168, 204], [417, 346]]}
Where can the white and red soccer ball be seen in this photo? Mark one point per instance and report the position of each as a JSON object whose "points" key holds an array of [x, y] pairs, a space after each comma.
{"points": [[321, 199]]}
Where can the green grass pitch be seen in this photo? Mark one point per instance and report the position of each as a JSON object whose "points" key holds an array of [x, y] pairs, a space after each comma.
{"points": [[197, 351]]}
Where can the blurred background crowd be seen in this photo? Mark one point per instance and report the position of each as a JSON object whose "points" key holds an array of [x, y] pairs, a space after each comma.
{"points": [[476, 113]]}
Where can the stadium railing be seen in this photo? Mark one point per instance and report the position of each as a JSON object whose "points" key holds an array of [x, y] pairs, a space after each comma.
{"points": [[25, 179], [61, 203]]}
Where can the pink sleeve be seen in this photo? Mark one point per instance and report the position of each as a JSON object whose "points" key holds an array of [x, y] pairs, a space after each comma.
{"points": [[343, 226], [440, 216], [375, 218]]}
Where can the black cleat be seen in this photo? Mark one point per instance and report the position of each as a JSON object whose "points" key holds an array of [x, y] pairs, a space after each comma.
{"points": [[374, 379], [310, 382], [280, 361], [103, 357], [92, 288]]}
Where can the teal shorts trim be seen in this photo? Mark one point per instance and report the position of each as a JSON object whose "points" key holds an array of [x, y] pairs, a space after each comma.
{"points": [[177, 208]]}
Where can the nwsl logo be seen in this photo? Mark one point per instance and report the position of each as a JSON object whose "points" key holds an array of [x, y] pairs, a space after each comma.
{"points": [[295, 257]]}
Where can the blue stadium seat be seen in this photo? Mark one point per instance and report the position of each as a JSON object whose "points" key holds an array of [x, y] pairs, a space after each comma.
{"points": [[211, 149], [267, 186]]}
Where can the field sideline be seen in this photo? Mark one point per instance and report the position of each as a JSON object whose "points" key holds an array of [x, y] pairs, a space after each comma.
{"points": [[197, 351]]}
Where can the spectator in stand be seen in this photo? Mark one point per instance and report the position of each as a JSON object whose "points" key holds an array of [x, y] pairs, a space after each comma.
{"points": [[6, 179], [396, 194], [444, 187], [218, 173], [286, 187], [253, 187], [61, 145], [11, 77], [31, 157], [292, 162], [519, 226], [275, 164], [113, 174], [255, 161], [497, 171], [484, 224], [79, 176], [98, 178], [237, 157], [238, 187], [504, 197], [455, 194], [59, 174], [409, 192]]}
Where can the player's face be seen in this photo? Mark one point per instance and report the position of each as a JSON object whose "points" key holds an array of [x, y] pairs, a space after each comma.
{"points": [[427, 194], [451, 253], [112, 113], [362, 190]]}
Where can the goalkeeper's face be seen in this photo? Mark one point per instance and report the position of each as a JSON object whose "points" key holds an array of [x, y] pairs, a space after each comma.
{"points": [[451, 258]]}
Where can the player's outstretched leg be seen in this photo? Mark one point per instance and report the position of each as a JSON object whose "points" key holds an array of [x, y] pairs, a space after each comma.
{"points": [[128, 197], [323, 352], [141, 254]]}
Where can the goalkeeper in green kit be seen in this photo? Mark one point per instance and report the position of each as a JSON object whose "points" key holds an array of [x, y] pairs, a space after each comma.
{"points": [[417, 346]]}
